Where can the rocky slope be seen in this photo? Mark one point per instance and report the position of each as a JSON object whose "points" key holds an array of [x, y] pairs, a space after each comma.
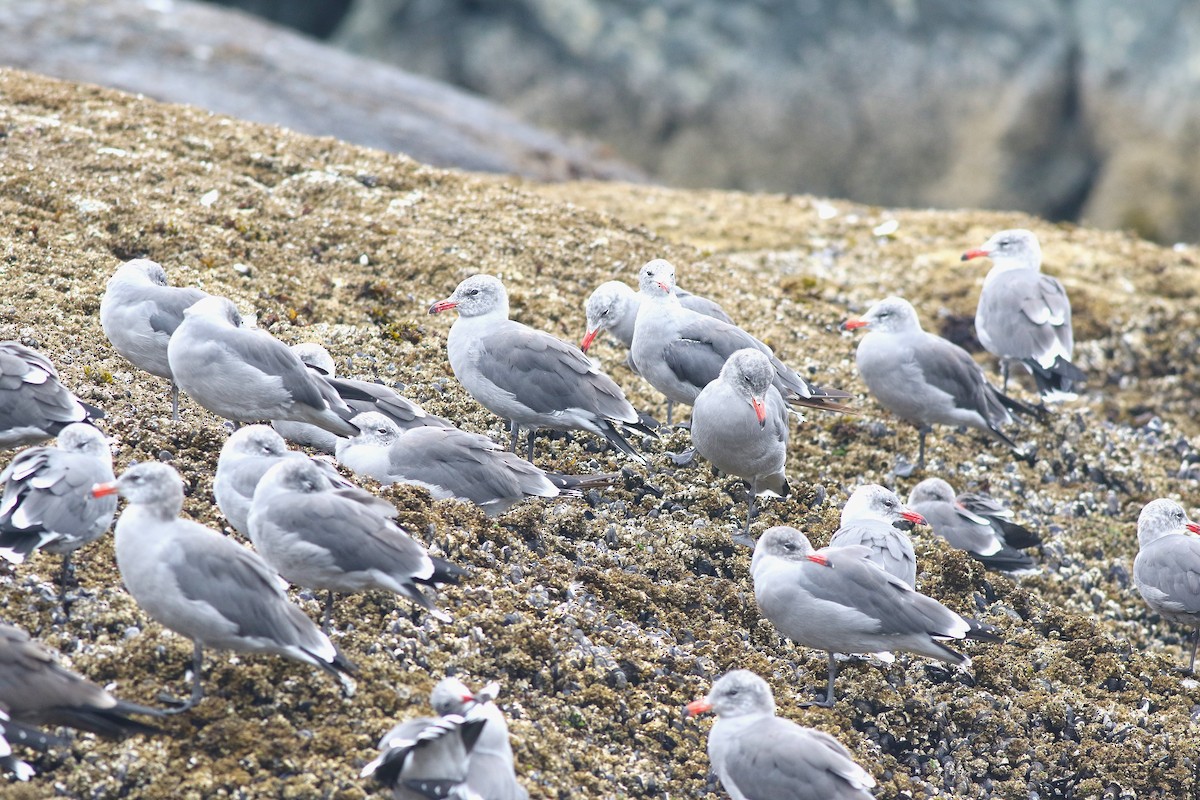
{"points": [[601, 617]]}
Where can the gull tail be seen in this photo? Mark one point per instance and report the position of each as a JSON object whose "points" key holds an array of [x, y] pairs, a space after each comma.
{"points": [[577, 483], [614, 437], [1056, 381]]}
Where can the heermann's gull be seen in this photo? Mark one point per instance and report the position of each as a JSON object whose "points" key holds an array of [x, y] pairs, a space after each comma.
{"points": [[359, 395], [490, 771], [245, 457], [837, 600], [759, 756], [967, 530], [46, 503], [925, 379], [868, 519], [680, 352], [338, 540], [140, 311], [36, 689], [1025, 316], [740, 424], [246, 374], [1166, 570], [427, 758], [453, 463], [613, 307], [204, 586], [34, 406], [528, 377]]}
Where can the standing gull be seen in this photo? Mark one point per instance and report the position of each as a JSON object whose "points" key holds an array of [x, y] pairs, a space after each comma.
{"points": [[360, 396], [613, 307], [528, 377], [925, 379], [837, 600], [36, 689], [140, 311], [204, 586], [246, 374], [759, 756], [1167, 568], [869, 519], [980, 533], [1023, 316], [740, 424], [453, 463], [338, 539], [34, 406], [490, 772], [680, 352], [46, 503], [245, 457]]}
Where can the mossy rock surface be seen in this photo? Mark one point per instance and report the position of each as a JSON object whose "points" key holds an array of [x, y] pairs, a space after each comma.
{"points": [[601, 616]]}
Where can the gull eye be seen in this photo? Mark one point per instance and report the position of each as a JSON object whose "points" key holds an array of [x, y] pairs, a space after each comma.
{"points": [[472, 292]]}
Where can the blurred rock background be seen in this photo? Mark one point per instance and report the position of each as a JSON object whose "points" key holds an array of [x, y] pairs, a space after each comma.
{"points": [[1081, 110]]}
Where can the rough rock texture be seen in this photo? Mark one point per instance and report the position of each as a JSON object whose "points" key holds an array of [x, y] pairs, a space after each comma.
{"points": [[1084, 109], [600, 616], [230, 62]]}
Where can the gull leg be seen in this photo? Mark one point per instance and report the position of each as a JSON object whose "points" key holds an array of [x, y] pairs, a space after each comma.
{"points": [[1004, 375], [1195, 642], [744, 536], [922, 432], [197, 685], [516, 433], [670, 408], [328, 615], [828, 701], [174, 402], [529, 456]]}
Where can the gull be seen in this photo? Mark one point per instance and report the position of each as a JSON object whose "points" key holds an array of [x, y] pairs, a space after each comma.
{"points": [[528, 377], [139, 311], [1024, 317]]}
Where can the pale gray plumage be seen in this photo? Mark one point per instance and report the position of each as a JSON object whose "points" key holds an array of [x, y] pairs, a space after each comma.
{"points": [[336, 539], [490, 771], [925, 379], [204, 586], [977, 534], [680, 351], [1024, 317], [245, 457], [427, 759], [47, 504], [740, 424], [837, 600], [34, 406], [1166, 570], [869, 519], [139, 311], [35, 688], [613, 305], [360, 396], [246, 374], [759, 756], [526, 376], [451, 463]]}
